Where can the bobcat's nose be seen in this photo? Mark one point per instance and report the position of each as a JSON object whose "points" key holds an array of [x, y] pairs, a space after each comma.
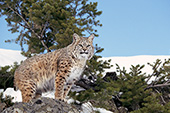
{"points": [[84, 51]]}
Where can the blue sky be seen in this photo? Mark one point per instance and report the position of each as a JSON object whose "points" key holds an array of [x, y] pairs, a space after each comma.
{"points": [[130, 27]]}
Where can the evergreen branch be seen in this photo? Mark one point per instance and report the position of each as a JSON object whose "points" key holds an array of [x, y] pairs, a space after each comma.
{"points": [[88, 31], [86, 84], [155, 73], [29, 27], [44, 29], [89, 70], [75, 12], [23, 25], [167, 81], [163, 100], [6, 75], [158, 85]]}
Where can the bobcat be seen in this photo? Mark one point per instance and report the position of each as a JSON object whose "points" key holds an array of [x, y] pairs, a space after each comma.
{"points": [[57, 70]]}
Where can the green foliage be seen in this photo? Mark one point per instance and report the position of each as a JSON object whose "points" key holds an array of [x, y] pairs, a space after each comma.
{"points": [[7, 75], [49, 24], [132, 86], [7, 100], [161, 71], [152, 105], [133, 90]]}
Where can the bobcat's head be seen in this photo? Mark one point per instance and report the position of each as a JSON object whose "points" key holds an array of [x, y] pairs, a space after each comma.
{"points": [[83, 47]]}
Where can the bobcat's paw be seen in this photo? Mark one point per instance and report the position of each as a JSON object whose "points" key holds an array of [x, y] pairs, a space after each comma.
{"points": [[62, 99]]}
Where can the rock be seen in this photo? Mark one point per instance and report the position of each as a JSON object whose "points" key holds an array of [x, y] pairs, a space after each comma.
{"points": [[123, 110], [42, 105], [2, 106]]}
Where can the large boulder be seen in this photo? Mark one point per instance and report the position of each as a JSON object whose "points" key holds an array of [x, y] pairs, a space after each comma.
{"points": [[42, 105]]}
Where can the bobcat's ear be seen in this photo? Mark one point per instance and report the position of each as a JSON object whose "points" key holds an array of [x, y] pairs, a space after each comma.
{"points": [[75, 37], [91, 37]]}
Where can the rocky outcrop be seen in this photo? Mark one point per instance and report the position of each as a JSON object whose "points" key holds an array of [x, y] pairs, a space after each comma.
{"points": [[2, 106], [42, 105]]}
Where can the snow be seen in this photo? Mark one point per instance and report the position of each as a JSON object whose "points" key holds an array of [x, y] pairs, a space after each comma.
{"points": [[88, 108], [16, 94], [102, 110], [8, 57], [134, 60]]}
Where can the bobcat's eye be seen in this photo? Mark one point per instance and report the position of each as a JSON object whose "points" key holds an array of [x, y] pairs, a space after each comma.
{"points": [[88, 45], [80, 45]]}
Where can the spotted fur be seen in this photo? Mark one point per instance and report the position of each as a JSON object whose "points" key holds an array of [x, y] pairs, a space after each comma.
{"points": [[56, 70]]}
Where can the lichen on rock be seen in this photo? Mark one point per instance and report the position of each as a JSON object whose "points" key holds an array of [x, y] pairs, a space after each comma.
{"points": [[42, 105]]}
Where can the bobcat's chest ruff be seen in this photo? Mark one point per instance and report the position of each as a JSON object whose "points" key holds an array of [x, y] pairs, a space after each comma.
{"points": [[75, 74], [76, 71]]}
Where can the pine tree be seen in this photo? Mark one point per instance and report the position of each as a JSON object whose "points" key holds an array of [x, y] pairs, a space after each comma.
{"points": [[47, 25], [6, 75], [152, 104], [132, 90], [132, 86]]}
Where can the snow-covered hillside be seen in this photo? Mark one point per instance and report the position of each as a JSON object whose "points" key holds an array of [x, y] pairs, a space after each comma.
{"points": [[8, 57], [134, 60]]}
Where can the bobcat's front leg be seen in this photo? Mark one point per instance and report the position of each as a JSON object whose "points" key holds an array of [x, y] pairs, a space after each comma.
{"points": [[67, 88], [62, 74], [59, 87]]}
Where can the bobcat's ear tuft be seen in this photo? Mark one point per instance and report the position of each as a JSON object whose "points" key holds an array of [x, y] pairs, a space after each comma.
{"points": [[91, 37], [75, 37]]}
